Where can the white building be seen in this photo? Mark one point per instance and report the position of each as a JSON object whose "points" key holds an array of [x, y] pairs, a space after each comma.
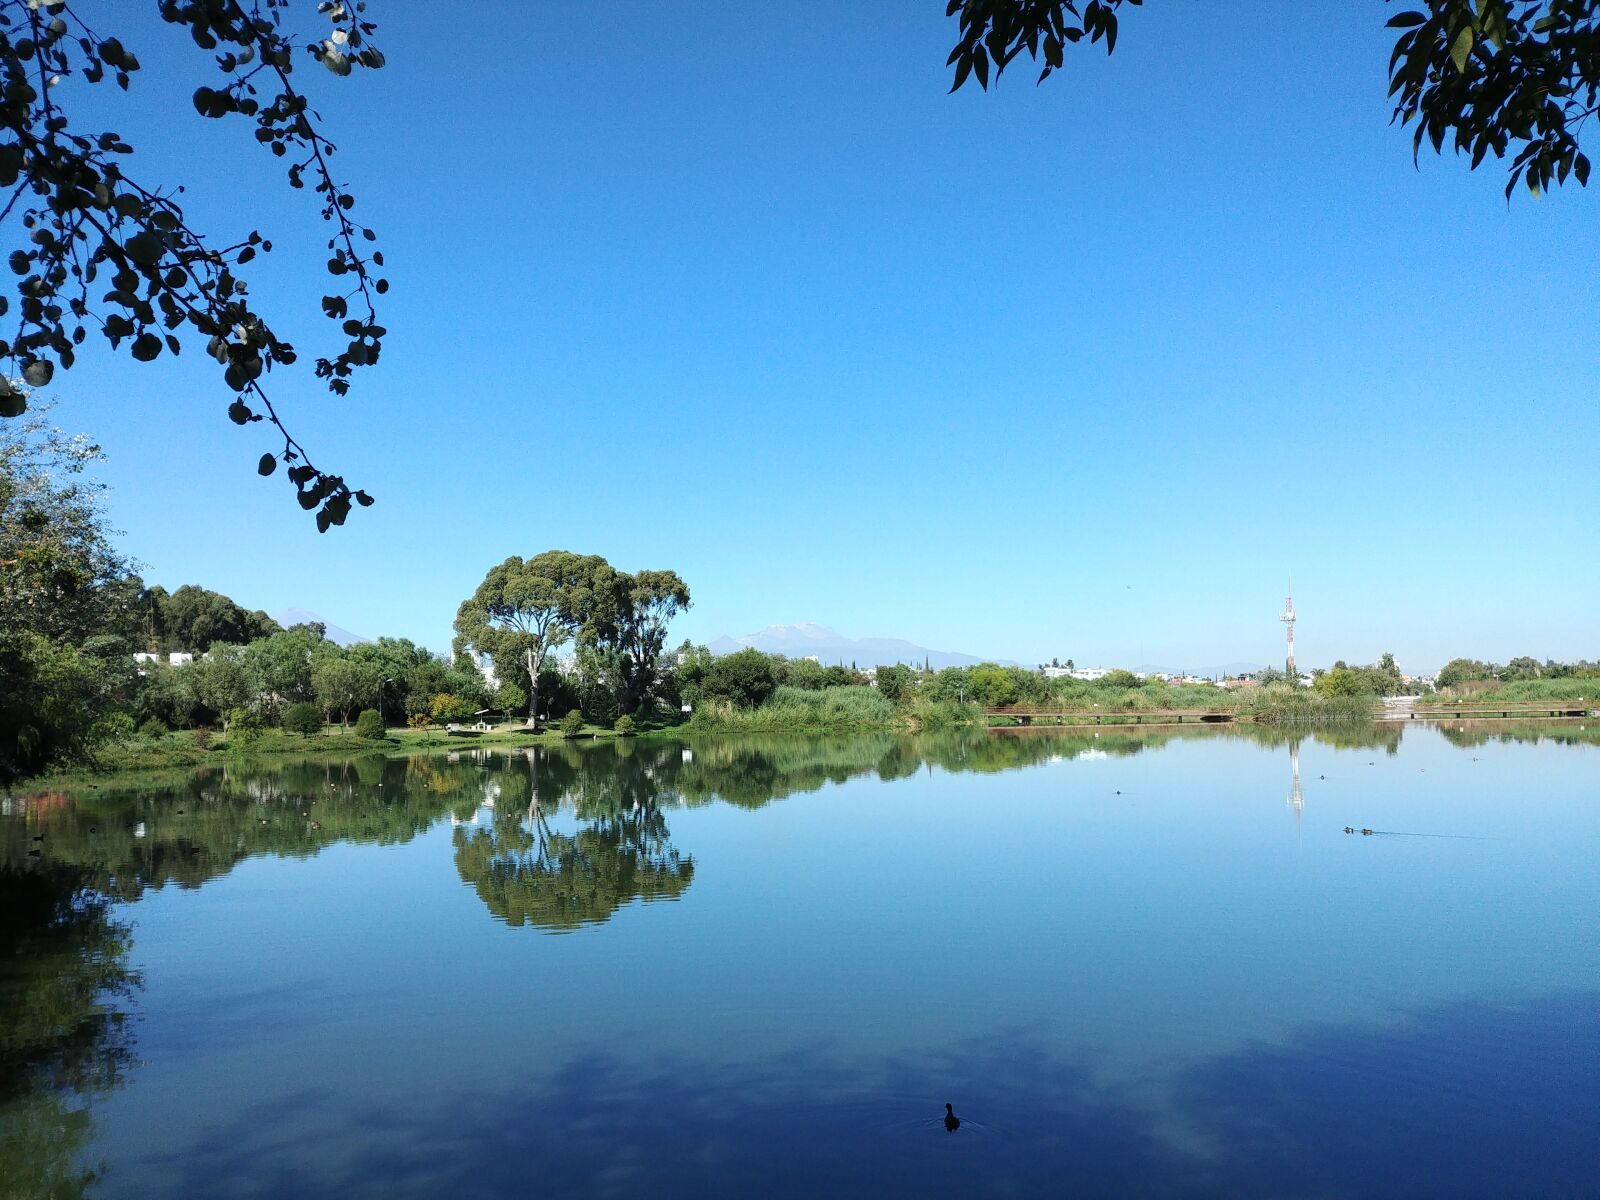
{"points": [[1088, 674], [177, 658]]}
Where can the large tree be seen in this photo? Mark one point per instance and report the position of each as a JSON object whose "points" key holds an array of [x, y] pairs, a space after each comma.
{"points": [[196, 619], [629, 626], [64, 596], [60, 576], [525, 608], [1518, 77], [104, 253]]}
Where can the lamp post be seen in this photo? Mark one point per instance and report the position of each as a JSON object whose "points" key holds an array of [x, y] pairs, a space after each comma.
{"points": [[380, 702]]}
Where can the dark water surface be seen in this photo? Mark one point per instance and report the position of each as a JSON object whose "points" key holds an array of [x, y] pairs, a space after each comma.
{"points": [[1143, 964]]}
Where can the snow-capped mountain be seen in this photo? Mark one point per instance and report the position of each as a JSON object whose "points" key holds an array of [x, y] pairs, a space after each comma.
{"points": [[829, 646], [303, 616]]}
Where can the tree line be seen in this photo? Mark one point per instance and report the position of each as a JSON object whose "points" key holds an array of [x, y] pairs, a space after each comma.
{"points": [[1459, 671]]}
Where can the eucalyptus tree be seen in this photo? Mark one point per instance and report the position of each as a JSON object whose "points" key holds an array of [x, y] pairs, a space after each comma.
{"points": [[629, 625], [526, 608]]}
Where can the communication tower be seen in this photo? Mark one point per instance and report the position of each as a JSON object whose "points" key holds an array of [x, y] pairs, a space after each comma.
{"points": [[1288, 619]]}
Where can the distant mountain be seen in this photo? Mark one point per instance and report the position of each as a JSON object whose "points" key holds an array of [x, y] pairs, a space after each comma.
{"points": [[809, 639], [301, 616]]}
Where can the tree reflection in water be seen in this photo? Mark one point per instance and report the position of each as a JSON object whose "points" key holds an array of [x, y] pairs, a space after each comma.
{"points": [[65, 1036], [527, 873], [566, 836]]}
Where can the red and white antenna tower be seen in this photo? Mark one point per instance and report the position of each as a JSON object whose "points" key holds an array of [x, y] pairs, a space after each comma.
{"points": [[1288, 619]]}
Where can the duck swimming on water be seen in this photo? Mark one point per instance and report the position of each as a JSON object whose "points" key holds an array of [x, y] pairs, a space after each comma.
{"points": [[951, 1121]]}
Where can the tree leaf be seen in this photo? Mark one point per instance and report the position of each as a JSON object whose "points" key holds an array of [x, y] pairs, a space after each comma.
{"points": [[1460, 48], [144, 248]]}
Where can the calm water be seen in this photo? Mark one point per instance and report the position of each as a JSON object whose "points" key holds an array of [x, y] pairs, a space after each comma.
{"points": [[1134, 964]]}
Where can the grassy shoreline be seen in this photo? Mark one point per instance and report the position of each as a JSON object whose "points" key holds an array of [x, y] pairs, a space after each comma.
{"points": [[179, 750], [855, 711]]}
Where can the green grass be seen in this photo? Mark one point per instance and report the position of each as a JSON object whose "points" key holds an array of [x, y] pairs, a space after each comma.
{"points": [[1520, 692], [1079, 696], [795, 709], [1303, 707], [831, 710]]}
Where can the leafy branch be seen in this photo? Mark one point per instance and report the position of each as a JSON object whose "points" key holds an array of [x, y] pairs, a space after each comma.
{"points": [[1518, 77], [85, 221]]}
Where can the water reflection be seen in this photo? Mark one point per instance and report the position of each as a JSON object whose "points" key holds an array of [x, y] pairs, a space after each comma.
{"points": [[1337, 1111], [65, 1035], [563, 839], [527, 874], [185, 829]]}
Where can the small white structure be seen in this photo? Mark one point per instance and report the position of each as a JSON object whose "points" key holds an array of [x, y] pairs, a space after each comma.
{"points": [[180, 658], [1087, 674]]}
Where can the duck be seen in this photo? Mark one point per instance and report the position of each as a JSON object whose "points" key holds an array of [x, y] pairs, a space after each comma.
{"points": [[1349, 828], [951, 1121], [1366, 833]]}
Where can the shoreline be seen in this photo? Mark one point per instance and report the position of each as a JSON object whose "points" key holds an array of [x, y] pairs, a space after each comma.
{"points": [[180, 753]]}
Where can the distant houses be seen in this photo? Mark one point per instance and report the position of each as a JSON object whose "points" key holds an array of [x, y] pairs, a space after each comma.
{"points": [[177, 658], [1088, 674]]}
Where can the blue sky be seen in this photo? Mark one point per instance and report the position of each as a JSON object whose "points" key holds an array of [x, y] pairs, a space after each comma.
{"points": [[1085, 369]]}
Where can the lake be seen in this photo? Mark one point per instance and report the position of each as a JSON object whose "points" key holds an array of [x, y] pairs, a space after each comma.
{"points": [[1142, 963]]}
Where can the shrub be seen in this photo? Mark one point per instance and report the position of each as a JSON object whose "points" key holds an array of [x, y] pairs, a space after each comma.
{"points": [[419, 721], [304, 719], [447, 706], [114, 727], [624, 726], [746, 678], [1119, 678], [510, 698], [572, 724], [242, 724], [153, 727], [369, 725], [202, 738]]}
